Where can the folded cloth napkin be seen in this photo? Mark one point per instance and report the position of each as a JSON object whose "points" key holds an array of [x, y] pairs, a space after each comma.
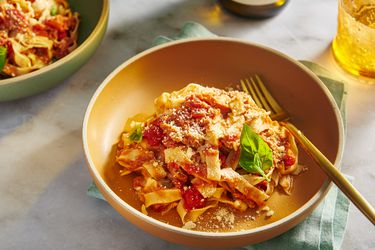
{"points": [[325, 227]]}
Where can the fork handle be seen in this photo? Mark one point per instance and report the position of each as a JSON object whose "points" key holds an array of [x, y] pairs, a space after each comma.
{"points": [[334, 174]]}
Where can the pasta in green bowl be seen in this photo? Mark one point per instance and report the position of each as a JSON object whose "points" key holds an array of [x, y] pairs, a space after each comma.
{"points": [[43, 42]]}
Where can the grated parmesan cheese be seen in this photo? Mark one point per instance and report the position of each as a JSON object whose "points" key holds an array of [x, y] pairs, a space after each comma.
{"points": [[225, 216]]}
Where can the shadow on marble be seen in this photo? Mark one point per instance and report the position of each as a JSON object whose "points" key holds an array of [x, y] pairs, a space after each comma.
{"points": [[18, 114], [27, 176]]}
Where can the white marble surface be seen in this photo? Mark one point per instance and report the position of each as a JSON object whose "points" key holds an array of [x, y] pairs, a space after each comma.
{"points": [[43, 176]]}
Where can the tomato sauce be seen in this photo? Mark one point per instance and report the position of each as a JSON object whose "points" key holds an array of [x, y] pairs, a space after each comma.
{"points": [[192, 198], [288, 161], [153, 133]]}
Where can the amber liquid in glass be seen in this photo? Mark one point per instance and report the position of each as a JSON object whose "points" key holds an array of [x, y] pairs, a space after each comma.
{"points": [[354, 45]]}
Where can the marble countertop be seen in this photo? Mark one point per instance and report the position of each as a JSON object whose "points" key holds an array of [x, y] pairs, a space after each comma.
{"points": [[43, 175]]}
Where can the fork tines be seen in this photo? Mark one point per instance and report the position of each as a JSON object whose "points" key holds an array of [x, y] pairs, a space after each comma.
{"points": [[255, 87]]}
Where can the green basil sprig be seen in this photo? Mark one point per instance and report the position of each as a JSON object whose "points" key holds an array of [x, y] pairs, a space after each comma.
{"points": [[3, 57], [256, 155], [136, 134], [54, 10]]}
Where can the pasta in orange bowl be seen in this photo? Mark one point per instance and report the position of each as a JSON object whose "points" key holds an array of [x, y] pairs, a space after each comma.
{"points": [[35, 33], [206, 149], [218, 62]]}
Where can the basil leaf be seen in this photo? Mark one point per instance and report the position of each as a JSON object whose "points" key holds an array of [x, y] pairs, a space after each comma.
{"points": [[256, 155], [3, 57], [136, 134], [54, 10]]}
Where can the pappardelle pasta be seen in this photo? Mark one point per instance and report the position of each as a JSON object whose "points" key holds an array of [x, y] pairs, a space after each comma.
{"points": [[205, 147], [34, 33]]}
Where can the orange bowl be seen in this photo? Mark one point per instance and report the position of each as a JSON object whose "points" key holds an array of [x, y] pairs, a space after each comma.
{"points": [[218, 62]]}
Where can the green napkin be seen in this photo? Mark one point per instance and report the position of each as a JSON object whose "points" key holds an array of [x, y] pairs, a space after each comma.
{"points": [[325, 227]]}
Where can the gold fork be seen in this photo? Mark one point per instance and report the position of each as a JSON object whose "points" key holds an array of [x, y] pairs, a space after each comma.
{"points": [[262, 97]]}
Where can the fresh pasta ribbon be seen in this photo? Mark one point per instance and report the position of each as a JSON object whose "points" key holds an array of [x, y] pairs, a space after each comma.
{"points": [[236, 181], [162, 197], [193, 214]]}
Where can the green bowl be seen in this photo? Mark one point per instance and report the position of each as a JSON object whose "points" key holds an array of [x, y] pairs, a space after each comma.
{"points": [[94, 18]]}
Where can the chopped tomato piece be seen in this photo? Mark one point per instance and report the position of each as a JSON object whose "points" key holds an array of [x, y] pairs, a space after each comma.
{"points": [[262, 185], [153, 134], [195, 170], [192, 198], [288, 161], [61, 27], [40, 30]]}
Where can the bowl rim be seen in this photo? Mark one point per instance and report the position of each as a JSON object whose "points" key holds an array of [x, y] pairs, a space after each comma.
{"points": [[312, 202], [76, 52]]}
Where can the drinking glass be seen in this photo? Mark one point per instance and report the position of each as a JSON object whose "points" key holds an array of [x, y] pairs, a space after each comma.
{"points": [[354, 44]]}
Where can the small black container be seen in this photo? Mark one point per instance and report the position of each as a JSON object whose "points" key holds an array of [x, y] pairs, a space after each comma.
{"points": [[254, 8]]}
